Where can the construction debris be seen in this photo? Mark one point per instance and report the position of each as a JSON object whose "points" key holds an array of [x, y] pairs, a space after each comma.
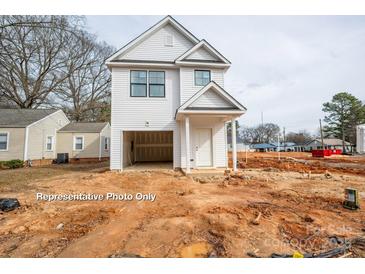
{"points": [[9, 204], [257, 219]]}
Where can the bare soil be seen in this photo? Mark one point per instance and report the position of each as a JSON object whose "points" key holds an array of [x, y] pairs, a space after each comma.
{"points": [[269, 207]]}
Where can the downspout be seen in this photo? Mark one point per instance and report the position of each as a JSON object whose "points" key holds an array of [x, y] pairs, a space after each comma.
{"points": [[99, 146], [25, 156]]}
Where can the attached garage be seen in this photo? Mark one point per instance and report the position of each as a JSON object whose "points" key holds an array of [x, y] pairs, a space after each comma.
{"points": [[147, 147]]}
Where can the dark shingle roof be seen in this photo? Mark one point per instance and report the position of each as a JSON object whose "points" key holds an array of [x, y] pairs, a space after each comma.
{"points": [[22, 117], [83, 127]]}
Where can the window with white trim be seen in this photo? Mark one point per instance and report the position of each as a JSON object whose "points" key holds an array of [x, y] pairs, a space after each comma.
{"points": [[49, 143], [78, 143], [106, 143], [202, 77], [4, 141]]}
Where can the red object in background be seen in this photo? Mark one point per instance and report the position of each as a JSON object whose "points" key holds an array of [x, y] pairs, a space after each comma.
{"points": [[337, 151], [321, 152]]}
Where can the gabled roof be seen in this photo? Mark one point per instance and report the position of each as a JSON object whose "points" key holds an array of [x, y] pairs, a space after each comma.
{"points": [[203, 44], [234, 104], [18, 118], [84, 127], [166, 20], [329, 142], [263, 146]]}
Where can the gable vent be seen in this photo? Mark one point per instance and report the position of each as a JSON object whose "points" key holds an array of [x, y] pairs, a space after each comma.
{"points": [[169, 41]]}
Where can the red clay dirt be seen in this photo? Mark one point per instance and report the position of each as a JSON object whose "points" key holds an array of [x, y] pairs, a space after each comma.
{"points": [[299, 211]]}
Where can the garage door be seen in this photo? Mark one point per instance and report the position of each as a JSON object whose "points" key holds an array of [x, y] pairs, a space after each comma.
{"points": [[153, 146]]}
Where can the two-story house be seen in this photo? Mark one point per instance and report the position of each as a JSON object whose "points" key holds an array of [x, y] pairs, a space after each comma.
{"points": [[169, 101]]}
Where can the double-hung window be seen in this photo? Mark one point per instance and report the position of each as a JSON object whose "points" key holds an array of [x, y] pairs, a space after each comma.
{"points": [[78, 143], [202, 77], [156, 83], [138, 83], [4, 141], [49, 143]]}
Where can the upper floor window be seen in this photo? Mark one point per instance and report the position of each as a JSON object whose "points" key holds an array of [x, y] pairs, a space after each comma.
{"points": [[156, 83], [202, 77], [138, 83], [4, 140]]}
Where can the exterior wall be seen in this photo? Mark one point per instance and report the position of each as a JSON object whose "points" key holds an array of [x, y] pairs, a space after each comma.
{"points": [[37, 136], [153, 48], [219, 149], [105, 133], [360, 139], [65, 142], [187, 81], [132, 113], [15, 144]]}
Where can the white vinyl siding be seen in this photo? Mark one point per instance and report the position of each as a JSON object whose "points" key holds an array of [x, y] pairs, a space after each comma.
{"points": [[201, 54], [133, 113], [154, 47], [187, 82], [38, 133], [212, 100]]}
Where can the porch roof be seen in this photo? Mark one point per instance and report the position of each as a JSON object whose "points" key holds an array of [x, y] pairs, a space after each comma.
{"points": [[222, 103]]}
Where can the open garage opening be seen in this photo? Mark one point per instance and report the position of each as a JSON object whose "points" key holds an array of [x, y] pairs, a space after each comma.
{"points": [[147, 150]]}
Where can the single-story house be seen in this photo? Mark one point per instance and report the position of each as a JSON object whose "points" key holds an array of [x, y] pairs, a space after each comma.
{"points": [[329, 143], [265, 147], [288, 146], [84, 141], [30, 134], [241, 145]]}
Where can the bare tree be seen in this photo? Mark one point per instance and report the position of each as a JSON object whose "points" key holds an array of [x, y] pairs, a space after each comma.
{"points": [[32, 52], [85, 94], [265, 133], [301, 137]]}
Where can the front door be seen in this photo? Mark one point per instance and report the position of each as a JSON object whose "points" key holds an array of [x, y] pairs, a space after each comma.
{"points": [[204, 147]]}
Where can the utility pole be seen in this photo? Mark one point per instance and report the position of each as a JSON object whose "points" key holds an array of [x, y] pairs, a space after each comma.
{"points": [[320, 128], [262, 118], [284, 139], [279, 146]]}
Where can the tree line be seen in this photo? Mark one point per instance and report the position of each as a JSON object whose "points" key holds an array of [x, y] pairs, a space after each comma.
{"points": [[53, 61], [341, 116]]}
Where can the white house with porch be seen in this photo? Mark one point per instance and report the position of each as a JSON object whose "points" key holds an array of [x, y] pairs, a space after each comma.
{"points": [[169, 103]]}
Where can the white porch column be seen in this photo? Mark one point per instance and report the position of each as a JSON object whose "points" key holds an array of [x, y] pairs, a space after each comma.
{"points": [[234, 146], [187, 143]]}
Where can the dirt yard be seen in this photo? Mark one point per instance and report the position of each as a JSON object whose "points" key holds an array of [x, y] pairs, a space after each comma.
{"points": [[271, 206]]}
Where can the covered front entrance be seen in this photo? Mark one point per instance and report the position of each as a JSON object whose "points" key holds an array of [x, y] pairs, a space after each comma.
{"points": [[147, 148]]}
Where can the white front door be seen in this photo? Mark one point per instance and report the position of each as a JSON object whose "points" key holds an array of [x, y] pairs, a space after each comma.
{"points": [[204, 147]]}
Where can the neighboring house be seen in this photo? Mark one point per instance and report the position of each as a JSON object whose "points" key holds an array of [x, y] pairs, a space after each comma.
{"points": [[30, 134], [360, 139], [264, 147], [169, 101], [84, 141], [329, 143], [241, 146], [288, 147]]}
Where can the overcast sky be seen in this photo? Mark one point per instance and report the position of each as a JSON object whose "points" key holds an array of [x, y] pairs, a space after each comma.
{"points": [[283, 66]]}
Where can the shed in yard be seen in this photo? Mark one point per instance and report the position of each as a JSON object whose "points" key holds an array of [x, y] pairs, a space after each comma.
{"points": [[84, 142]]}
